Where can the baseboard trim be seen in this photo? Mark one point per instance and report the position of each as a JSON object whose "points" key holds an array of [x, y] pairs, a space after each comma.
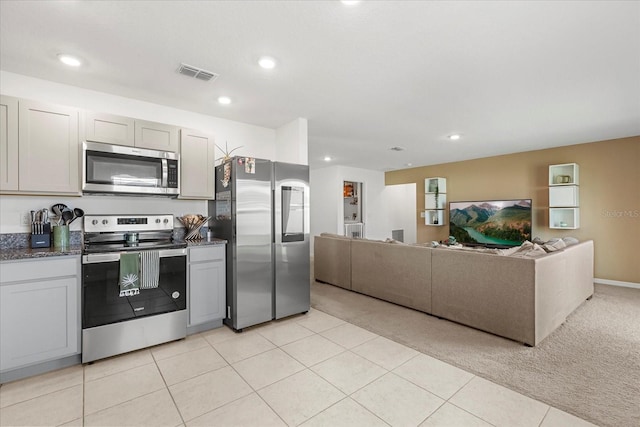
{"points": [[616, 283], [38, 368], [204, 327]]}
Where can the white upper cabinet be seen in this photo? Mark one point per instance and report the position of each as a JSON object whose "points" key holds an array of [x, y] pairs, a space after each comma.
{"points": [[8, 143], [48, 149], [108, 128], [197, 158], [120, 130], [156, 136]]}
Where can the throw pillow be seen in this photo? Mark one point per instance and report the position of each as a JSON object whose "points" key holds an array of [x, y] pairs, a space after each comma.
{"points": [[570, 241], [554, 245]]}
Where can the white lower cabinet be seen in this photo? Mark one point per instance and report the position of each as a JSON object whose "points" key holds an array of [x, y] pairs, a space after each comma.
{"points": [[207, 284], [39, 311]]}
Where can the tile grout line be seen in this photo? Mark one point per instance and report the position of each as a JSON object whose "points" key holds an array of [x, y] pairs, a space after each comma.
{"points": [[164, 381], [545, 415], [256, 392], [444, 402], [470, 413], [121, 403], [83, 392], [40, 396]]}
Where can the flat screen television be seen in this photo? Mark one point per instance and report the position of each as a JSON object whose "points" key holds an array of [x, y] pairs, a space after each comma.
{"points": [[491, 223]]}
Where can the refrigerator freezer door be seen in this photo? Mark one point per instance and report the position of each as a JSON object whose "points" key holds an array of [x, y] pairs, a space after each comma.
{"points": [[252, 212], [292, 275]]}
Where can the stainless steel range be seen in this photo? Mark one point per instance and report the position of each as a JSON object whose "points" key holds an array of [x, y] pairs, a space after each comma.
{"points": [[133, 284]]}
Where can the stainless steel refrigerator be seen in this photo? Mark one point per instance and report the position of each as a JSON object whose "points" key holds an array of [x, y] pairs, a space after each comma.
{"points": [[262, 210]]}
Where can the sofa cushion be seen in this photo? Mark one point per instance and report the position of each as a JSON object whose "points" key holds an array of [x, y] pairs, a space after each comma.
{"points": [[526, 250], [554, 245]]}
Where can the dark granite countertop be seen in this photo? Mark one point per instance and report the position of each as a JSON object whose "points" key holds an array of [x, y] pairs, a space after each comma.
{"points": [[205, 242], [13, 247], [15, 254]]}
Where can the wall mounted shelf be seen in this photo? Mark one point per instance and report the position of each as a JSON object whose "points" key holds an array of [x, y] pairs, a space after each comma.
{"points": [[435, 201], [564, 196]]}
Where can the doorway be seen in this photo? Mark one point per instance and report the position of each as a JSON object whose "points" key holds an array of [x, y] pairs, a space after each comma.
{"points": [[352, 209]]}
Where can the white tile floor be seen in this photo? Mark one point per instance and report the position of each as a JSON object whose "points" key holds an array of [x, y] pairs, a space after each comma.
{"points": [[310, 370]]}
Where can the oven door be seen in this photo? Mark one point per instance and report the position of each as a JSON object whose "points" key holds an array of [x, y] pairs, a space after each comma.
{"points": [[101, 303], [116, 169]]}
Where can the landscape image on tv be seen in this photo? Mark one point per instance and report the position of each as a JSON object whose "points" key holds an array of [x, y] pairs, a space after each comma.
{"points": [[498, 223]]}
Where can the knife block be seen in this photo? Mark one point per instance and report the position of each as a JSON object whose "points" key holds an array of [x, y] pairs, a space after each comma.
{"points": [[42, 240]]}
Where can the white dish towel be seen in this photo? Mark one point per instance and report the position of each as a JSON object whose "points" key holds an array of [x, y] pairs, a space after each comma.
{"points": [[149, 269]]}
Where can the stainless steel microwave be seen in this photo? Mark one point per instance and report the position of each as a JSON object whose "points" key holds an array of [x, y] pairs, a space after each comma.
{"points": [[129, 170]]}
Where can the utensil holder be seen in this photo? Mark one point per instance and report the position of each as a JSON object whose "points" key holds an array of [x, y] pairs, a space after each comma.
{"points": [[61, 236]]}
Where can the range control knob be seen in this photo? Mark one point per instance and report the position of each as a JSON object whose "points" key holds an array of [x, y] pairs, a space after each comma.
{"points": [[105, 221], [94, 222], [157, 220], [166, 221]]}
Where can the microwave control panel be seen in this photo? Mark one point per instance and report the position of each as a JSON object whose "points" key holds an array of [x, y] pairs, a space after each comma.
{"points": [[172, 173]]}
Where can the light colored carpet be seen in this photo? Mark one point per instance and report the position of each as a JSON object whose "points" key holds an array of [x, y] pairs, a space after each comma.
{"points": [[590, 366]]}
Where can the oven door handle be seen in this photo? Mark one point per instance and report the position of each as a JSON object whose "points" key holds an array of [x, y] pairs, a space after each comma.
{"points": [[98, 258], [115, 257]]}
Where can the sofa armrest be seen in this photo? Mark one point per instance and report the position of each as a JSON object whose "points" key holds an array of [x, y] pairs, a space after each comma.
{"points": [[564, 280], [493, 293]]}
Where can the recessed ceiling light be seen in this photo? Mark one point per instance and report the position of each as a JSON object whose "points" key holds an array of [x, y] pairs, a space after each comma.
{"points": [[225, 100], [267, 62], [69, 60], [454, 137], [408, 164], [327, 158], [349, 2]]}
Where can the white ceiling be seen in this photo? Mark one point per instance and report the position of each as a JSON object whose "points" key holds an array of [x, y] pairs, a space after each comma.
{"points": [[508, 76]]}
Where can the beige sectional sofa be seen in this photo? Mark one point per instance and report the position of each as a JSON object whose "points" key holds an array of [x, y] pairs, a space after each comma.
{"points": [[521, 298]]}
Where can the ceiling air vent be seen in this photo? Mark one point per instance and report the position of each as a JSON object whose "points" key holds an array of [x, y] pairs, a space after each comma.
{"points": [[198, 73], [396, 149]]}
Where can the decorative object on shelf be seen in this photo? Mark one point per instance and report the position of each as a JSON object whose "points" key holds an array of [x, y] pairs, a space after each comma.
{"points": [[192, 224]]}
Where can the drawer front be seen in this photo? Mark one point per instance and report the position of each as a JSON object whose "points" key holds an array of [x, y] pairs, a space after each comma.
{"points": [[37, 269], [210, 253]]}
